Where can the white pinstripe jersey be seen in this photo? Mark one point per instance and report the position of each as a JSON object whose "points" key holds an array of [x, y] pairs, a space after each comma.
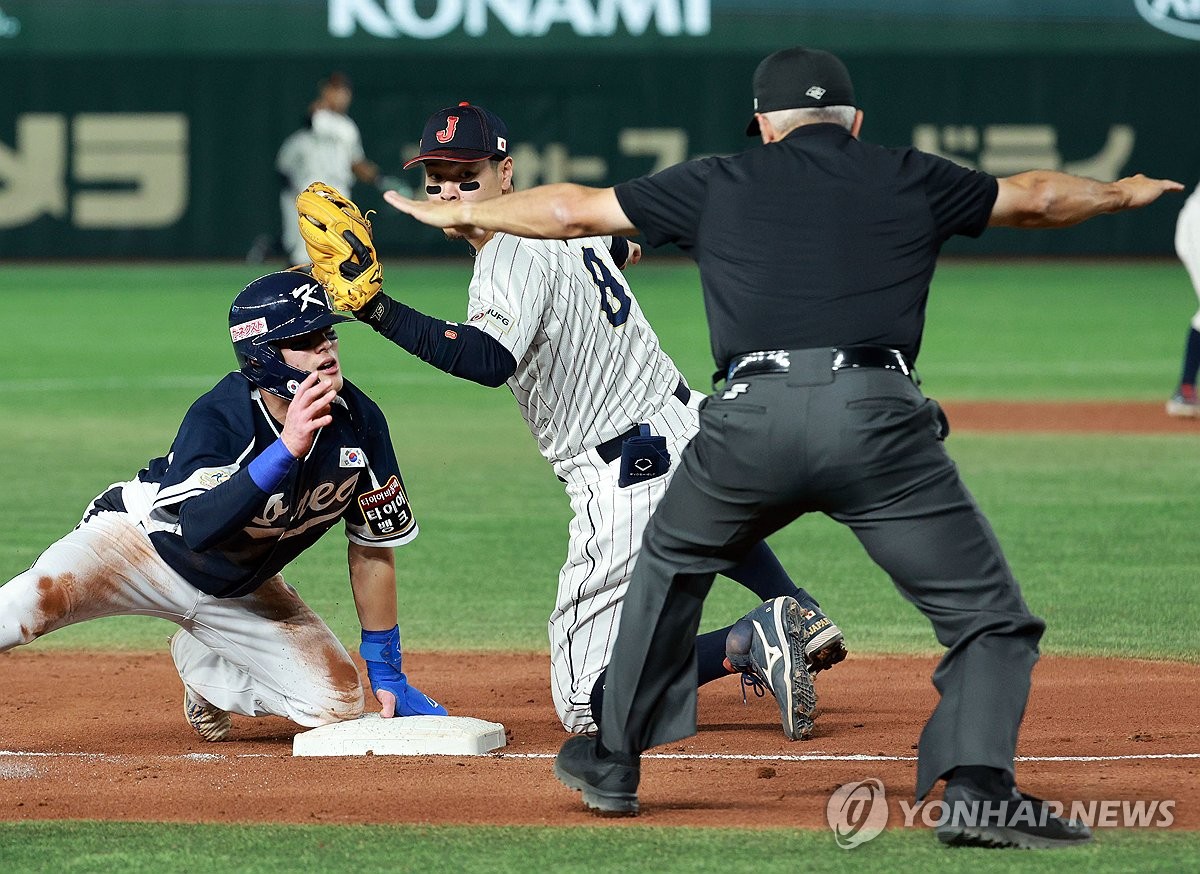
{"points": [[589, 366]]}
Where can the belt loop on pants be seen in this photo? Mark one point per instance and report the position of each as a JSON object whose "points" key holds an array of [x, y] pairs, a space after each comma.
{"points": [[844, 358], [610, 450]]}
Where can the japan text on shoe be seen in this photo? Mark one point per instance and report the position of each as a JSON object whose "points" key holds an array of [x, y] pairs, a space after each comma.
{"points": [[608, 781], [824, 643], [767, 647]]}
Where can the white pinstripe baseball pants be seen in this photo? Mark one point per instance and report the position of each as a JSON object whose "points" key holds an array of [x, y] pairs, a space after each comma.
{"points": [[605, 538]]}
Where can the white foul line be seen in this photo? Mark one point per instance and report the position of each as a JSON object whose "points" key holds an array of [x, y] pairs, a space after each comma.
{"points": [[737, 757], [116, 757], [856, 757]]}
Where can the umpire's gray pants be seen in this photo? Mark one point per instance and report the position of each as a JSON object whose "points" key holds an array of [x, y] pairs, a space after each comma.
{"points": [[864, 447]]}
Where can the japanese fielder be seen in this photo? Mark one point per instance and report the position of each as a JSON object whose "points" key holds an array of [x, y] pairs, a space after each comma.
{"points": [[556, 322]]}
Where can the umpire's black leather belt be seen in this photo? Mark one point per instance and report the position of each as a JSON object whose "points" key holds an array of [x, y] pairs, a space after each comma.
{"points": [[610, 450], [843, 358]]}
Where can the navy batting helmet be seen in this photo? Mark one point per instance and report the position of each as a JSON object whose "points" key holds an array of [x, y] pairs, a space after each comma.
{"points": [[276, 307]]}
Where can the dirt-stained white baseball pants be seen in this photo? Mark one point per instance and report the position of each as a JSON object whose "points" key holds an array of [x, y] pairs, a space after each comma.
{"points": [[265, 653]]}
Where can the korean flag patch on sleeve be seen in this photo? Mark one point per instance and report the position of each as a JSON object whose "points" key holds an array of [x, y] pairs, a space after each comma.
{"points": [[386, 512], [352, 457]]}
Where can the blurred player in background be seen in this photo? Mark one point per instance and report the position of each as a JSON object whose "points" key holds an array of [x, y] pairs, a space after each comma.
{"points": [[329, 148], [1187, 244], [556, 322], [263, 465]]}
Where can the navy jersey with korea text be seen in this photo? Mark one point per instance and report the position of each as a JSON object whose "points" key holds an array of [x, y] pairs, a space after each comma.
{"points": [[221, 532]]}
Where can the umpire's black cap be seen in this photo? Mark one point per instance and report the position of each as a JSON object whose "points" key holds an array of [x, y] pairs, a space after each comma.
{"points": [[462, 133], [799, 78]]}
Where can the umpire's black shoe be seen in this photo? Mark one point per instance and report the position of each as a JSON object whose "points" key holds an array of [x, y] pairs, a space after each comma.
{"points": [[609, 783], [978, 815]]}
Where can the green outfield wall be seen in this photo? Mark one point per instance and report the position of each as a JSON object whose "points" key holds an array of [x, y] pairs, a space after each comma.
{"points": [[148, 128]]}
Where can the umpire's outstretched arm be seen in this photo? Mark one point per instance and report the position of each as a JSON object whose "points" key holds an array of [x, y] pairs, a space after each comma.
{"points": [[560, 211], [1036, 199], [1049, 199]]}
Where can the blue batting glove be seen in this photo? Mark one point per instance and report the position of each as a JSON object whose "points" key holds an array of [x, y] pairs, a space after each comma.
{"points": [[381, 651], [401, 699]]}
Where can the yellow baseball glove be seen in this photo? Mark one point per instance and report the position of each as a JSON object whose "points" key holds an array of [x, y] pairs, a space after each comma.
{"points": [[338, 239]]}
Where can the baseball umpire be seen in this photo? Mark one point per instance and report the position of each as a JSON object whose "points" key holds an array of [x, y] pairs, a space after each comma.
{"points": [[263, 464], [816, 252], [557, 322]]}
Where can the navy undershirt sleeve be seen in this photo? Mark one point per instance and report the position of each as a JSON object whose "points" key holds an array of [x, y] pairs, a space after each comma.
{"points": [[209, 518], [619, 249], [460, 350]]}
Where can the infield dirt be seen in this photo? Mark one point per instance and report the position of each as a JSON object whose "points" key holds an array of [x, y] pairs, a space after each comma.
{"points": [[102, 736], [117, 748]]}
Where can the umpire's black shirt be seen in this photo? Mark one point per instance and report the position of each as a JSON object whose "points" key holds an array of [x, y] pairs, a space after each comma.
{"points": [[817, 240]]}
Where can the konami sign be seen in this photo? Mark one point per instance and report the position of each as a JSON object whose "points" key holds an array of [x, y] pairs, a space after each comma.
{"points": [[532, 18]]}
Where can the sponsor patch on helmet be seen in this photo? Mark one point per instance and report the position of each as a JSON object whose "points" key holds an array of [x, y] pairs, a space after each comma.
{"points": [[252, 328], [386, 510]]}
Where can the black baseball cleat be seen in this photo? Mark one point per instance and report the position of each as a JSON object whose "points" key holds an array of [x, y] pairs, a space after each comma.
{"points": [[975, 816], [609, 783], [767, 647]]}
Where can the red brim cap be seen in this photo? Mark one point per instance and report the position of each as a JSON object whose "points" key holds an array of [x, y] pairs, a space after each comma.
{"points": [[458, 156]]}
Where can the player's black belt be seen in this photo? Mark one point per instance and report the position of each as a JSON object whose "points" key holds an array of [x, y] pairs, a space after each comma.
{"points": [[610, 450], [843, 358]]}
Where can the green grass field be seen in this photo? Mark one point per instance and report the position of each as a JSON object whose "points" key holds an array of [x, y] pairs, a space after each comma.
{"points": [[101, 362]]}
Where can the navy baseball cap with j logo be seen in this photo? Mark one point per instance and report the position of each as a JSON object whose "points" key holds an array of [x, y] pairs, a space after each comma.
{"points": [[462, 133], [799, 78]]}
